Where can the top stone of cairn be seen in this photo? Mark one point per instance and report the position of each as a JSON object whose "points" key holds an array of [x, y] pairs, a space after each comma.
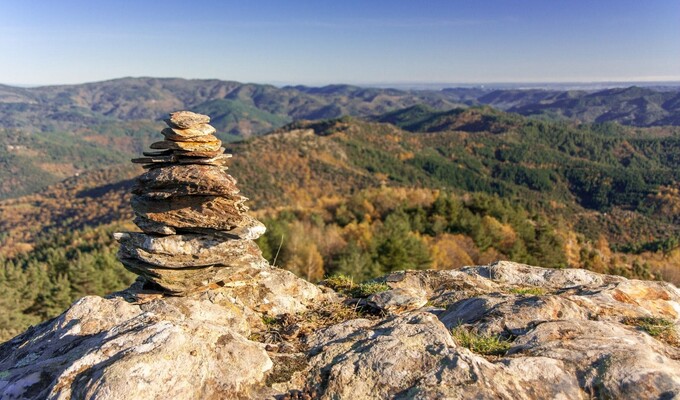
{"points": [[187, 119], [187, 140]]}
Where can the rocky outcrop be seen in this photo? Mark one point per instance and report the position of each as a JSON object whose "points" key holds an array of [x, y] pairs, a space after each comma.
{"points": [[502, 331], [118, 348], [568, 334]]}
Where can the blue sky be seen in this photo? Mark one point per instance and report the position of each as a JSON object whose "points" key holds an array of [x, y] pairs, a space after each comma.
{"points": [[320, 42]]}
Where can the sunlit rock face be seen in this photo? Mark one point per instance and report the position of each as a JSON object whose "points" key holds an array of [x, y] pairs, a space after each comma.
{"points": [[527, 333]]}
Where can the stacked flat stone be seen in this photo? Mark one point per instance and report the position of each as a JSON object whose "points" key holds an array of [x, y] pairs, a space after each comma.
{"points": [[196, 229], [189, 139]]}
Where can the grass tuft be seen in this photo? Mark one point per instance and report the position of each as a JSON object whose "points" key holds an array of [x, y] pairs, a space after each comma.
{"points": [[368, 288], [345, 284], [532, 291], [339, 283], [658, 328], [488, 345], [269, 320]]}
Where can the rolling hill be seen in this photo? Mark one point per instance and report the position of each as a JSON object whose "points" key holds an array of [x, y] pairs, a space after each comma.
{"points": [[634, 106], [586, 169], [126, 99]]}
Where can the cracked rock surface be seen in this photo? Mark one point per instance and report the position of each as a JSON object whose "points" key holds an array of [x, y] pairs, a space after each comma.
{"points": [[568, 334]]}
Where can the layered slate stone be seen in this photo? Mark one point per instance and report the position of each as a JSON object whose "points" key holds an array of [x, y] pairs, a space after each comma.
{"points": [[185, 180], [214, 212], [218, 160], [187, 262], [195, 135], [150, 226], [185, 250], [196, 231], [199, 154], [201, 146]]}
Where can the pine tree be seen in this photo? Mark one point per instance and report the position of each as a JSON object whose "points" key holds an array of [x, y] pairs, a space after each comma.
{"points": [[54, 301], [397, 248], [357, 263]]}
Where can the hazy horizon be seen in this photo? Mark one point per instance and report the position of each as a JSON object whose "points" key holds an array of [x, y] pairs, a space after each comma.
{"points": [[403, 85], [317, 43]]}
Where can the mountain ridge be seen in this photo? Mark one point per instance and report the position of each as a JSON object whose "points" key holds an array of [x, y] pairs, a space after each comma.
{"points": [[149, 98], [50, 121]]}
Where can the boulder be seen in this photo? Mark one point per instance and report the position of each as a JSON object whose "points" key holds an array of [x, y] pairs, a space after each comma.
{"points": [[110, 349], [609, 360], [407, 356]]}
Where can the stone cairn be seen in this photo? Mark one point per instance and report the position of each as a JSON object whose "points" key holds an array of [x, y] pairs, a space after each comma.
{"points": [[196, 229]]}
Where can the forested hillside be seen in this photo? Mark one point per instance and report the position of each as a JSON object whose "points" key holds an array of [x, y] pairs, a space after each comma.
{"points": [[413, 188]]}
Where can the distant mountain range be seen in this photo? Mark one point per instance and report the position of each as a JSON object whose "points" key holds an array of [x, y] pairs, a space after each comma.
{"points": [[246, 109], [236, 108], [54, 132]]}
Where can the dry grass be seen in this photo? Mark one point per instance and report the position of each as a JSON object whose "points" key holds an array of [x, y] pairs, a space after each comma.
{"points": [[488, 345], [293, 328], [531, 291], [345, 285]]}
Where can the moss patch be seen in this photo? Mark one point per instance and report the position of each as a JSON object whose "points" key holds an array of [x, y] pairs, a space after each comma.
{"points": [[339, 283], [368, 288], [345, 284]]}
